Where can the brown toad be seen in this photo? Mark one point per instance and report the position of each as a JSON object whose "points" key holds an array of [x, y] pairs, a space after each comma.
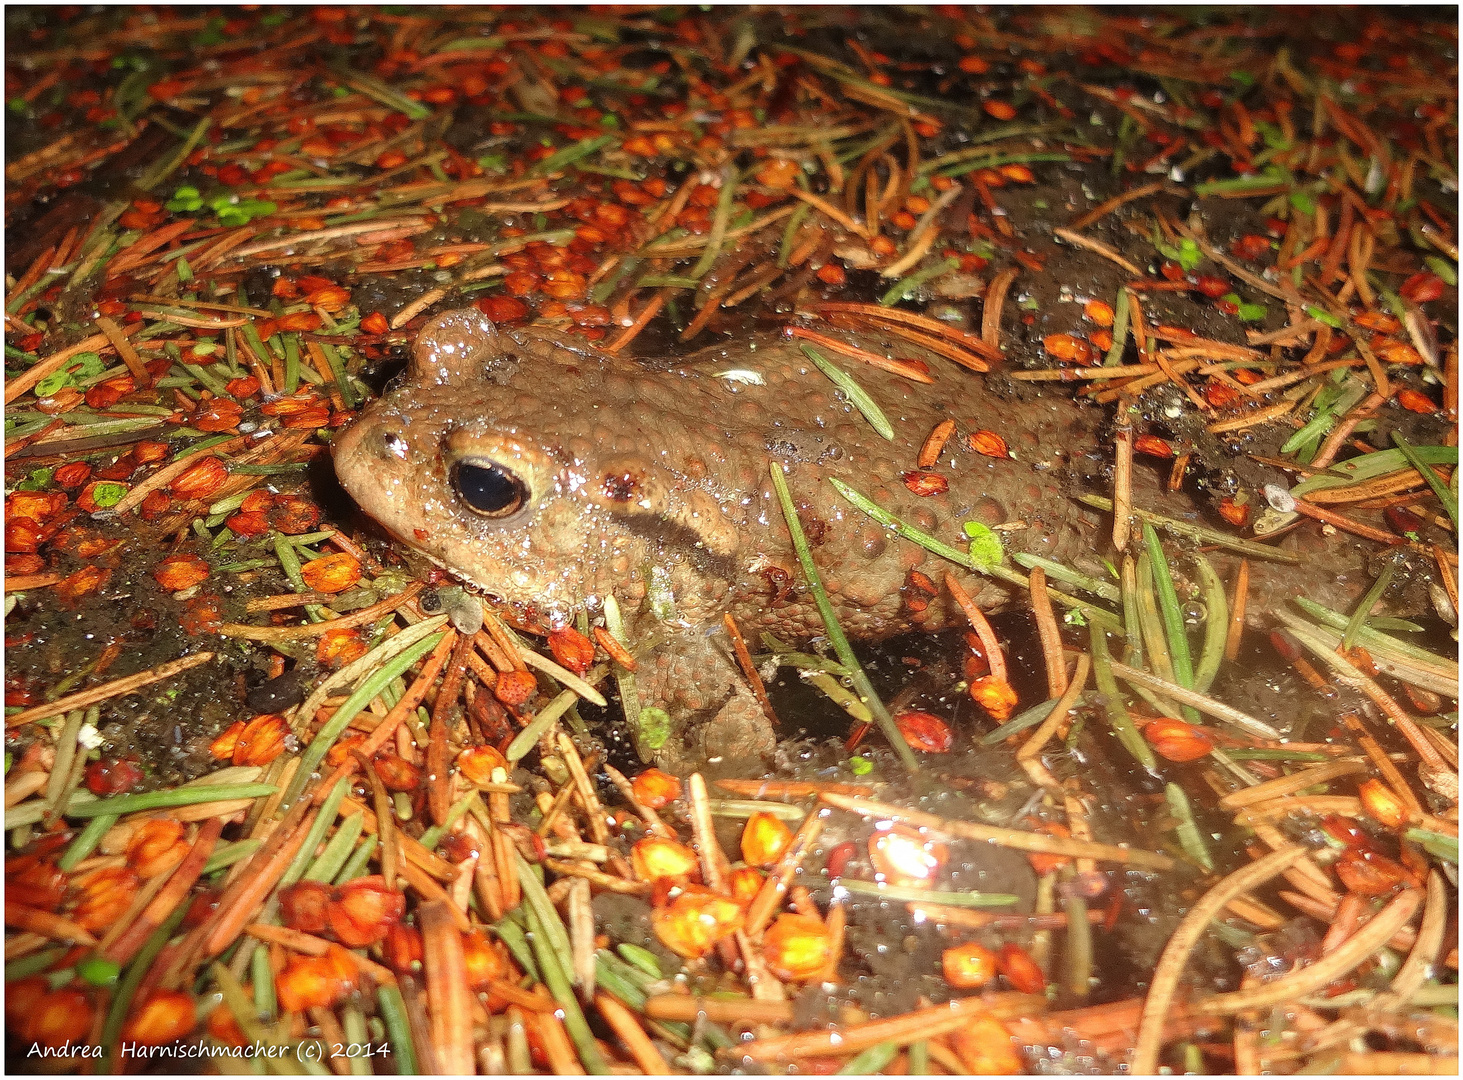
{"points": [[552, 474]]}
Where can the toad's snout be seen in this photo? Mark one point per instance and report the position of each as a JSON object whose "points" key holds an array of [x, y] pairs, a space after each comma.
{"points": [[367, 454]]}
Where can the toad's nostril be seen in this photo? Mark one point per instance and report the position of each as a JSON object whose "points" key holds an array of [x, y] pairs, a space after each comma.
{"points": [[393, 444]]}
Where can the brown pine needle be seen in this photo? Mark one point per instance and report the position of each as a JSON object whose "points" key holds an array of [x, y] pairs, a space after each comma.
{"points": [[1120, 371], [992, 305], [1341, 521], [731, 1010], [1047, 630], [1013, 838], [646, 814], [980, 361], [614, 649], [832, 211], [242, 900], [116, 688], [1097, 247], [1352, 952], [1383, 764], [930, 326], [759, 912], [310, 630], [447, 991], [285, 601], [179, 884], [1237, 605], [790, 789], [987, 634], [883, 363], [14, 583], [627, 1027], [125, 351], [648, 312], [744, 661], [1122, 483], [910, 1027], [1058, 715], [1288, 785], [1171, 964], [1204, 703], [1102, 209], [47, 924]]}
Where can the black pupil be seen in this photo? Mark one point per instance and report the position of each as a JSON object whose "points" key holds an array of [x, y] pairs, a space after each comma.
{"points": [[488, 489]]}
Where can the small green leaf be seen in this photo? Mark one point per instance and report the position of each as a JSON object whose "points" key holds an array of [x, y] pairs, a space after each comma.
{"points": [[986, 549], [1253, 312], [655, 727], [643, 959], [861, 766], [108, 494], [1439, 845], [1163, 247], [1273, 136], [1303, 202], [1322, 315], [52, 384], [99, 971], [1443, 269], [39, 480]]}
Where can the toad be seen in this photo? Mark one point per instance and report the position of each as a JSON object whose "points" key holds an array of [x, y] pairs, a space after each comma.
{"points": [[552, 474]]}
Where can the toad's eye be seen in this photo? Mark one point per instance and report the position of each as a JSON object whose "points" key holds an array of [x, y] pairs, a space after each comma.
{"points": [[488, 489]]}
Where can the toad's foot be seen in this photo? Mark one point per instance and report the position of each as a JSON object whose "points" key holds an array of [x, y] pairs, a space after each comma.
{"points": [[713, 713]]}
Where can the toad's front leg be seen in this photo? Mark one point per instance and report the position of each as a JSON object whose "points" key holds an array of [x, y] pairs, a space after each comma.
{"points": [[713, 713]]}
